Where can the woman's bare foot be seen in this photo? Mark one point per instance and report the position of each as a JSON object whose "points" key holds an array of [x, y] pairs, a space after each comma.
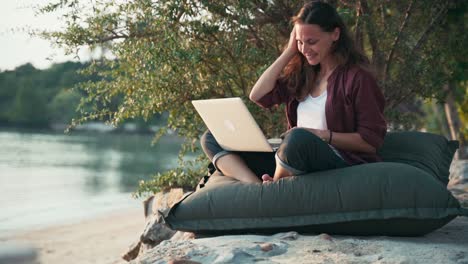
{"points": [[281, 172], [267, 178]]}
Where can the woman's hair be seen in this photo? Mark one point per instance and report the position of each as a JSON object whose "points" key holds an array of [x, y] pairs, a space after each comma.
{"points": [[298, 72]]}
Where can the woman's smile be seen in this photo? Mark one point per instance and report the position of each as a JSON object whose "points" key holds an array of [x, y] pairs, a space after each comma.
{"points": [[314, 43]]}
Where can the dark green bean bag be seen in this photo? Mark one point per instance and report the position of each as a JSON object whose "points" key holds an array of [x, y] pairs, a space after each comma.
{"points": [[384, 198], [429, 152]]}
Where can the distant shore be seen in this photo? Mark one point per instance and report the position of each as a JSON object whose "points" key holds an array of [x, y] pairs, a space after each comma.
{"points": [[98, 240], [92, 126]]}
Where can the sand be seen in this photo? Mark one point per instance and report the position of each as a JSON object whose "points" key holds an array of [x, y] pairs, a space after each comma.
{"points": [[100, 240]]}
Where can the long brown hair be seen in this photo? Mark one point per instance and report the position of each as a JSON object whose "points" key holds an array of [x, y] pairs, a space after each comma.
{"points": [[298, 72]]}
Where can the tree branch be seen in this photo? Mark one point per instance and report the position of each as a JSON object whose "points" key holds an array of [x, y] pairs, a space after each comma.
{"points": [[345, 3], [382, 15], [121, 36], [397, 39], [413, 59], [377, 56], [429, 29], [257, 40], [357, 27]]}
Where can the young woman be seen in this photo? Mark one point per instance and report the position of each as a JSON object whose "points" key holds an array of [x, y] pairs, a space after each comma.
{"points": [[334, 107]]}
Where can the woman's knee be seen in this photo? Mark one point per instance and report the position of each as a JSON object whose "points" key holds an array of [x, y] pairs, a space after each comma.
{"points": [[209, 144], [205, 138], [297, 141]]}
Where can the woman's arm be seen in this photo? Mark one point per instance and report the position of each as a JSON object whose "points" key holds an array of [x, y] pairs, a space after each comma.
{"points": [[267, 80], [351, 142], [345, 141]]}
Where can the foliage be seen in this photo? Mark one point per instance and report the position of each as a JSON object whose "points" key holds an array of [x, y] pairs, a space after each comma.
{"points": [[29, 105], [167, 53], [62, 108], [185, 178], [463, 110], [33, 97]]}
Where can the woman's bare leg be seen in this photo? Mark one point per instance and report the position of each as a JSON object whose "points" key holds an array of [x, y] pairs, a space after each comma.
{"points": [[281, 172], [234, 166]]}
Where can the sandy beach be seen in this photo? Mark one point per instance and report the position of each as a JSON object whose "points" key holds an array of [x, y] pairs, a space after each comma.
{"points": [[98, 240]]}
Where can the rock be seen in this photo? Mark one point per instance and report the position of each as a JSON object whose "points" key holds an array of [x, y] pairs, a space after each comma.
{"points": [[132, 252], [447, 245], [265, 247], [182, 261], [288, 236], [463, 198], [162, 201], [235, 255], [458, 183], [155, 231], [458, 172], [174, 250], [143, 249], [181, 236], [325, 237]]}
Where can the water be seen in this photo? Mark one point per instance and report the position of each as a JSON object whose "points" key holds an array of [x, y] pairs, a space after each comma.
{"points": [[48, 178]]}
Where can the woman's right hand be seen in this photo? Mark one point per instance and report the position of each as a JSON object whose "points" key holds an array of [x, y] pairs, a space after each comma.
{"points": [[292, 43]]}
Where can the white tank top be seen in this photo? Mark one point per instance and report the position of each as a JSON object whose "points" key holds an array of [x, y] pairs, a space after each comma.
{"points": [[311, 112]]}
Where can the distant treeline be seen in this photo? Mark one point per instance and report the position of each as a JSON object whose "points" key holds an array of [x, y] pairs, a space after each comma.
{"points": [[31, 97], [34, 97]]}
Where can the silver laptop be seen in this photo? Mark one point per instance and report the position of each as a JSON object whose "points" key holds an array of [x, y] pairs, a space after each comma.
{"points": [[232, 125]]}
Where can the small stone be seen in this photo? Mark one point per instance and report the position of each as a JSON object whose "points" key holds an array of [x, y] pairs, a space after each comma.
{"points": [[132, 252], [325, 237], [181, 236], [155, 232], [288, 236], [266, 247]]}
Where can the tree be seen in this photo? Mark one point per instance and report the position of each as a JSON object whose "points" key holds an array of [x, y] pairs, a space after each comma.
{"points": [[28, 96], [168, 53], [30, 106], [63, 106]]}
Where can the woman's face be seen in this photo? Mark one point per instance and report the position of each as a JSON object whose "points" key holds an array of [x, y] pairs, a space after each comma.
{"points": [[314, 43]]}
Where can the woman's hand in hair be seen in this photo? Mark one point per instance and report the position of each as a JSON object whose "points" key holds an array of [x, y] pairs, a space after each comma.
{"points": [[292, 43]]}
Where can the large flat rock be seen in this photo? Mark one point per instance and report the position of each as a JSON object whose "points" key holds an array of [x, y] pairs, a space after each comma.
{"points": [[446, 245]]}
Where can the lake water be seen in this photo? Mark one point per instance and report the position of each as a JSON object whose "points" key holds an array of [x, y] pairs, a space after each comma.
{"points": [[49, 178]]}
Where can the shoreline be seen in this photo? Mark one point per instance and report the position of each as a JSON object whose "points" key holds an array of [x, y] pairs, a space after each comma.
{"points": [[101, 239]]}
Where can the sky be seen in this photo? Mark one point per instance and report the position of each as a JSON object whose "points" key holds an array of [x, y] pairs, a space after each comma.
{"points": [[17, 47]]}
